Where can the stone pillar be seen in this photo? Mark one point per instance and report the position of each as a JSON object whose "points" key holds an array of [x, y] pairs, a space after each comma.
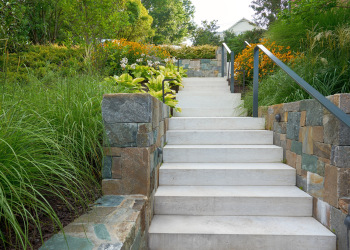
{"points": [[135, 126], [218, 58]]}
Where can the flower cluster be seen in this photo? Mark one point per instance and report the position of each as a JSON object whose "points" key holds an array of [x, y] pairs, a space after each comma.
{"points": [[124, 62], [118, 53], [245, 60]]}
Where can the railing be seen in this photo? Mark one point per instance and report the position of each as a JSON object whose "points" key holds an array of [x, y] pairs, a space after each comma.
{"points": [[165, 80], [301, 82], [225, 49]]}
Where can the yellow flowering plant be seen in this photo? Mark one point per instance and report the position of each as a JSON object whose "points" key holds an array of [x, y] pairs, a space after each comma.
{"points": [[245, 60]]}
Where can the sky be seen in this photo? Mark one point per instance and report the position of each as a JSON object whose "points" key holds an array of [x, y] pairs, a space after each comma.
{"points": [[227, 12]]}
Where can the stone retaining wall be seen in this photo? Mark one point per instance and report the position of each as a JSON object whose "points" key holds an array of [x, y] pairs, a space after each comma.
{"points": [[317, 145], [204, 67], [135, 126]]}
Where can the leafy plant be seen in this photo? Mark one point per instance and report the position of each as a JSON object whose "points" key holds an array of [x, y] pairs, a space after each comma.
{"points": [[155, 89]]}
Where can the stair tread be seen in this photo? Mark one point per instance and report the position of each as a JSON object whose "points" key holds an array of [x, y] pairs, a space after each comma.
{"points": [[233, 166], [220, 131], [257, 225], [222, 146], [232, 191]]}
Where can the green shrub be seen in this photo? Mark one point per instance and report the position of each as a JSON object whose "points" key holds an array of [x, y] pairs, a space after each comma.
{"points": [[193, 52], [38, 60]]}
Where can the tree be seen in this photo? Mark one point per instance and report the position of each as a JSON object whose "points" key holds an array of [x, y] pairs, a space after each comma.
{"points": [[13, 23], [207, 34], [237, 42], [172, 19], [90, 21], [266, 11]]}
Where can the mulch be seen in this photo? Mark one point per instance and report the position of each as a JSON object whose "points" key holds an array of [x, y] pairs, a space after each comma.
{"points": [[65, 214]]}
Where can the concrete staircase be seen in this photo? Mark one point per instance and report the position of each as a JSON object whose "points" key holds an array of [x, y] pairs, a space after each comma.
{"points": [[222, 183]]}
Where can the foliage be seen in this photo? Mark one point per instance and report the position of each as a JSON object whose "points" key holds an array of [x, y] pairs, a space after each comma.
{"points": [[12, 22], [38, 61], [193, 52], [245, 60], [136, 77], [237, 42], [172, 20], [206, 34], [78, 22], [50, 149], [155, 89], [292, 27], [266, 11], [111, 53]]}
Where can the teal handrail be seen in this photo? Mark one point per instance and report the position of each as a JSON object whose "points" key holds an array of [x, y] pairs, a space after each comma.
{"points": [[301, 82]]}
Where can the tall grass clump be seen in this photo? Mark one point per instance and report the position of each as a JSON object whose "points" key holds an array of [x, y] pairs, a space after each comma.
{"points": [[50, 150]]}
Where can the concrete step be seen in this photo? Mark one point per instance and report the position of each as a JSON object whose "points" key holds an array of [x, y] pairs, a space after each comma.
{"points": [[222, 174], [217, 137], [208, 88], [199, 123], [225, 100], [232, 200], [222, 153], [174, 232], [211, 112], [201, 80]]}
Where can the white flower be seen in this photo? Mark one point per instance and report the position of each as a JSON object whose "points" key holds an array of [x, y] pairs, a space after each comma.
{"points": [[156, 62], [150, 63], [139, 60], [123, 65], [124, 60], [142, 54], [133, 66], [174, 59], [166, 60]]}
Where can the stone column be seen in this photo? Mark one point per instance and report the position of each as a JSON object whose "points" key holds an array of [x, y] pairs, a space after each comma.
{"points": [[135, 126]]}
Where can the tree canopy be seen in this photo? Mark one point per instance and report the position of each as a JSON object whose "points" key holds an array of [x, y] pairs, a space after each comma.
{"points": [[84, 21], [266, 11], [207, 34], [172, 20]]}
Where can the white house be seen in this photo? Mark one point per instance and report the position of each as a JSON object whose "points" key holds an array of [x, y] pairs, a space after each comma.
{"points": [[240, 27]]}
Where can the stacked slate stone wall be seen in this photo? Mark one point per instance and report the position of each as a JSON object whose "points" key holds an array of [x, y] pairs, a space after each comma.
{"points": [[135, 126], [204, 67], [317, 145]]}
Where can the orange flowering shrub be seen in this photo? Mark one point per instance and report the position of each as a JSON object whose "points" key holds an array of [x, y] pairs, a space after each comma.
{"points": [[245, 60], [113, 54]]}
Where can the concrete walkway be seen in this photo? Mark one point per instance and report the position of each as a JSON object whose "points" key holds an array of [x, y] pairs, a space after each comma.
{"points": [[223, 184]]}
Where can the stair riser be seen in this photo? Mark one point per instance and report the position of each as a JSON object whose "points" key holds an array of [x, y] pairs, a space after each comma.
{"points": [[219, 177], [220, 137], [239, 242], [211, 112], [218, 123], [222, 155], [238, 206], [203, 102]]}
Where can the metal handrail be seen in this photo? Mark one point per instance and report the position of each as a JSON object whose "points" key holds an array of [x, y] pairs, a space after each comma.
{"points": [[165, 80], [301, 82], [232, 62]]}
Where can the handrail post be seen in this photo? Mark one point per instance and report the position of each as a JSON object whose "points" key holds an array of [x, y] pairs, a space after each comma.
{"points": [[232, 72], [222, 61], [165, 80], [178, 65], [256, 82]]}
